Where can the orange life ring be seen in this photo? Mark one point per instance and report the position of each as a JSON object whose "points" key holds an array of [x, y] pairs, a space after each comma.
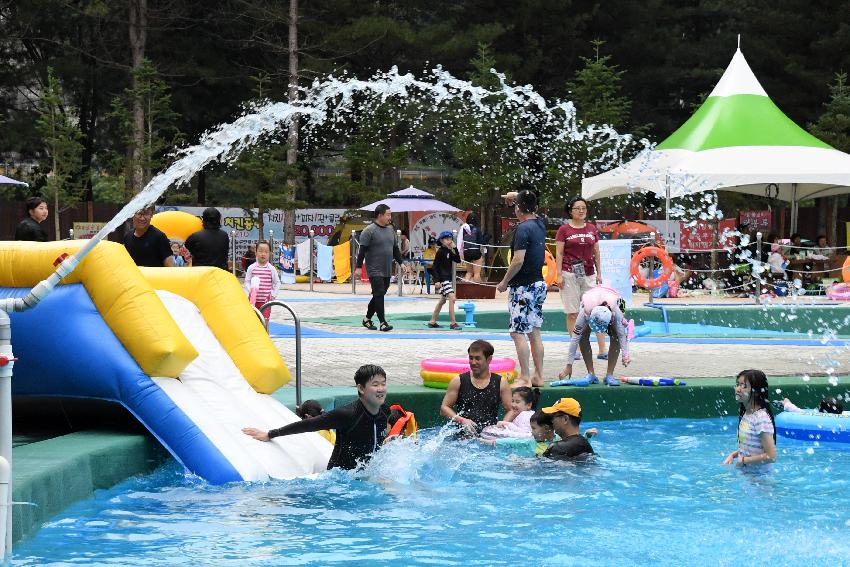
{"points": [[666, 267], [550, 270]]}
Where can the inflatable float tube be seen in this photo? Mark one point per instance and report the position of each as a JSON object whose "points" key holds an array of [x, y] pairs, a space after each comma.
{"points": [[839, 292], [814, 426], [651, 381], [438, 372]]}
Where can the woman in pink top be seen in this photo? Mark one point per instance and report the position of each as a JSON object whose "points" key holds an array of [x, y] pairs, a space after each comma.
{"points": [[577, 254]]}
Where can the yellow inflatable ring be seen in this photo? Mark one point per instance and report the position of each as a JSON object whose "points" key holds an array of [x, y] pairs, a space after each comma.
{"points": [[432, 379]]}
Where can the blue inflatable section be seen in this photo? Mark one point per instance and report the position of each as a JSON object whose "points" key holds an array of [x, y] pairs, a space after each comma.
{"points": [[812, 426], [65, 348]]}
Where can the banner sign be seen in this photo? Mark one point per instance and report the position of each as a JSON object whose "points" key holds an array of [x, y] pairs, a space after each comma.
{"points": [[87, 230], [756, 220], [699, 236], [615, 256], [430, 225], [244, 226], [670, 231], [286, 261]]}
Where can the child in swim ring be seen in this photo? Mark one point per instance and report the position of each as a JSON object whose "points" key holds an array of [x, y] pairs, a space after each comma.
{"points": [[827, 405], [523, 403], [756, 427]]}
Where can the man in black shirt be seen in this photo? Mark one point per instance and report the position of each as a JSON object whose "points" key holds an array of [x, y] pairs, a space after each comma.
{"points": [[473, 398], [566, 419], [147, 245], [361, 426], [210, 245]]}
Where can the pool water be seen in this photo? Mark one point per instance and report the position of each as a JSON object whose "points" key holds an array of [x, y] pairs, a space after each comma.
{"points": [[656, 495]]}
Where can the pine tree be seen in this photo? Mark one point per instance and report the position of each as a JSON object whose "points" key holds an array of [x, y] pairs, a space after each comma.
{"points": [[62, 142], [833, 127], [160, 132]]}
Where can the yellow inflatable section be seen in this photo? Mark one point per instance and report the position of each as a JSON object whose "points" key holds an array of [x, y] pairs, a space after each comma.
{"points": [[177, 224], [125, 300], [224, 306]]}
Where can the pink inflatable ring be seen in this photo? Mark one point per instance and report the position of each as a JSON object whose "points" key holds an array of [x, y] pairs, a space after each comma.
{"points": [[460, 365], [839, 292], [438, 372]]}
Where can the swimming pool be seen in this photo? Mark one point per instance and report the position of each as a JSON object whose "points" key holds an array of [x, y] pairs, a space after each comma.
{"points": [[657, 495]]}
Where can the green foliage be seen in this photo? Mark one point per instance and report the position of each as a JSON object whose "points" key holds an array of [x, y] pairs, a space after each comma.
{"points": [[160, 133], [833, 126], [61, 139]]}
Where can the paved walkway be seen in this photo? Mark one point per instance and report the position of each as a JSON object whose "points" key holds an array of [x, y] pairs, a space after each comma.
{"points": [[332, 361]]}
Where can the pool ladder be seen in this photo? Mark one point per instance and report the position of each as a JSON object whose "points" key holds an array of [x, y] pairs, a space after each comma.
{"points": [[297, 321]]}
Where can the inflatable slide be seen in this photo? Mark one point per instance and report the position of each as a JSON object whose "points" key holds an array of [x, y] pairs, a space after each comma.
{"points": [[180, 348]]}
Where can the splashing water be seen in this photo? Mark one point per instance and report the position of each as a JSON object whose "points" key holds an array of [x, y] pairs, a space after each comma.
{"points": [[432, 459], [338, 100]]}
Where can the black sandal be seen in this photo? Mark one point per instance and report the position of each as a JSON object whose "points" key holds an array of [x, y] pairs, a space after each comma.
{"points": [[434, 325], [386, 326], [369, 324]]}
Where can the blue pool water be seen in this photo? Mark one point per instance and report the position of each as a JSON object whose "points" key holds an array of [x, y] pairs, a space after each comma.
{"points": [[656, 495]]}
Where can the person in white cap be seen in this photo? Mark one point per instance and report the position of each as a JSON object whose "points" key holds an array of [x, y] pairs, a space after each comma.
{"points": [[599, 313]]}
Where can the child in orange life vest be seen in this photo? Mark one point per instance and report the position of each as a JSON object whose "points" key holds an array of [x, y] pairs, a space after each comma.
{"points": [[266, 273]]}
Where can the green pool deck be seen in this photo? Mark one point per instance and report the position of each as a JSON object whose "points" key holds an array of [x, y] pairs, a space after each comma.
{"points": [[51, 474], [797, 319]]}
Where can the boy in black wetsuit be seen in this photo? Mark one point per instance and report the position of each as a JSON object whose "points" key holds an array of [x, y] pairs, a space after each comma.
{"points": [[361, 426], [566, 419]]}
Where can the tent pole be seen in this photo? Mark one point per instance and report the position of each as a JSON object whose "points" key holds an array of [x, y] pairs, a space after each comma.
{"points": [[795, 208], [667, 195]]}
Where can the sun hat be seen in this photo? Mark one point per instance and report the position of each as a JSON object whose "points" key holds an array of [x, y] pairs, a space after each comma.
{"points": [[600, 318]]}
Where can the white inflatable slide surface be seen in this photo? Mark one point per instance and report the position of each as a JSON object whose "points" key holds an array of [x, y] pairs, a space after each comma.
{"points": [[212, 392]]}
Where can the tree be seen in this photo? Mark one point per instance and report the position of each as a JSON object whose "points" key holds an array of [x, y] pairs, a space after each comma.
{"points": [[145, 148], [62, 142], [833, 127]]}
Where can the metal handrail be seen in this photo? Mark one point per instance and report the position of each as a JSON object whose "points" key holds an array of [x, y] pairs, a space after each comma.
{"points": [[295, 318]]}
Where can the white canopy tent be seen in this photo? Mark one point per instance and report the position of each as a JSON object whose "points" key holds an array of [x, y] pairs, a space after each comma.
{"points": [[738, 140]]}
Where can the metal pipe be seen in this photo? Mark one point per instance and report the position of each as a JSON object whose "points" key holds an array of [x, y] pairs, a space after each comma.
{"points": [[651, 267], [271, 239], [760, 267], [312, 243], [353, 263], [233, 255], [400, 276], [297, 344], [454, 266], [6, 435]]}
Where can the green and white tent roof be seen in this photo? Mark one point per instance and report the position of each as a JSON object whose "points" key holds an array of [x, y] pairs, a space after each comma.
{"points": [[737, 140]]}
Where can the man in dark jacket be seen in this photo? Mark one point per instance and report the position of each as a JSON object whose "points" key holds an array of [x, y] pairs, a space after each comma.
{"points": [[210, 245]]}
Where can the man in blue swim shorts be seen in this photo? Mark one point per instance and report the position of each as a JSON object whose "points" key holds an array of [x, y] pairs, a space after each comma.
{"points": [[526, 288]]}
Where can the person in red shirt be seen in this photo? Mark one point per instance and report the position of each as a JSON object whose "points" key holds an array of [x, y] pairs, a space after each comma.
{"points": [[577, 254]]}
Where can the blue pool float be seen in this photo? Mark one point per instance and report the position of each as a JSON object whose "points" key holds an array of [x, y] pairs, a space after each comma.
{"points": [[814, 426]]}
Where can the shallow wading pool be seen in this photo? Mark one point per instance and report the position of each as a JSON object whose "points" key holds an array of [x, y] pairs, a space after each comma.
{"points": [[656, 495]]}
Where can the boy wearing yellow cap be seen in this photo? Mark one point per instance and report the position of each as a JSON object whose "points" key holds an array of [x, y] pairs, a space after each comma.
{"points": [[566, 419]]}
